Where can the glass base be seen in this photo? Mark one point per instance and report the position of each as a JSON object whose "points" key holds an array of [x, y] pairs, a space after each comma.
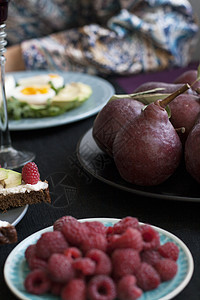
{"points": [[11, 158]]}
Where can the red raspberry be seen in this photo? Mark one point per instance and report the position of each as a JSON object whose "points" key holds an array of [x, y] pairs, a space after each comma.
{"points": [[30, 173], [84, 266], [30, 252], [60, 268], [96, 227], [150, 256], [72, 253], [63, 220], [56, 288], [37, 282], [101, 287], [122, 225], [75, 232], [125, 261], [169, 250], [167, 268], [37, 263], [127, 289], [151, 238], [102, 260], [49, 243], [91, 241], [131, 238], [75, 289], [147, 277]]}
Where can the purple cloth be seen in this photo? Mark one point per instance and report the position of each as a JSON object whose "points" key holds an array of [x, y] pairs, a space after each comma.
{"points": [[130, 83]]}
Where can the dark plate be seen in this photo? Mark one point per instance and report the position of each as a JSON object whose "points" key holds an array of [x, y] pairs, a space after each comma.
{"points": [[14, 215], [180, 186]]}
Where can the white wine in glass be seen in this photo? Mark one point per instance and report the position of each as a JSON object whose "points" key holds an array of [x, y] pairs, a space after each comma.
{"points": [[10, 158]]}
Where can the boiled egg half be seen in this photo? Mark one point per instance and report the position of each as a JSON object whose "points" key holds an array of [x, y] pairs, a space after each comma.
{"points": [[9, 86], [33, 94], [56, 80]]}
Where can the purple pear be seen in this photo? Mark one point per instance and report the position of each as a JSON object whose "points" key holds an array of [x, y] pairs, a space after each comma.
{"points": [[192, 151], [184, 111], [111, 119], [148, 150], [189, 77], [168, 88]]}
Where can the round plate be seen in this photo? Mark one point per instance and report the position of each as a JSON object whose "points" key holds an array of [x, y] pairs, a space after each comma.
{"points": [[14, 215], [102, 90], [16, 269], [180, 186]]}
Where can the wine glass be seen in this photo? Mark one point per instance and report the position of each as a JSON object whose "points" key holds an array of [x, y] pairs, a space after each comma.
{"points": [[10, 158]]}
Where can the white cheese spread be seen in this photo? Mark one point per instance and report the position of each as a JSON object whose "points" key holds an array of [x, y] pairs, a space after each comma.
{"points": [[22, 188], [4, 224]]}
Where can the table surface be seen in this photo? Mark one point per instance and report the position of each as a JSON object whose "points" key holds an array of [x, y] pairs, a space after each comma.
{"points": [[55, 150]]}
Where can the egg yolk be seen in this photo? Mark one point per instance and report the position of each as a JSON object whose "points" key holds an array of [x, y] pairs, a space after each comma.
{"points": [[35, 90], [53, 75]]}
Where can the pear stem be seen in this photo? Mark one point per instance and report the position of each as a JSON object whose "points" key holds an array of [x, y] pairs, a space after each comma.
{"points": [[163, 103], [180, 130]]}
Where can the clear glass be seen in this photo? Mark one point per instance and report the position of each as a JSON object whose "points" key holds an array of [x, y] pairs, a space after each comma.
{"points": [[10, 158]]}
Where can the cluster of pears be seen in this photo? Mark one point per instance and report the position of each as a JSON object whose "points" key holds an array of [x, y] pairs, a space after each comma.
{"points": [[147, 133]]}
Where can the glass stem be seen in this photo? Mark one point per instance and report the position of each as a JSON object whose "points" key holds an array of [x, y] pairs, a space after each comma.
{"points": [[5, 134]]}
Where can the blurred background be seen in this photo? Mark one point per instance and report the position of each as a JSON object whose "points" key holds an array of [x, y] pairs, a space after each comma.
{"points": [[196, 6]]}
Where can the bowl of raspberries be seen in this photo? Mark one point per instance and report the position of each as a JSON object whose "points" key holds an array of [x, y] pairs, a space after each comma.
{"points": [[104, 259]]}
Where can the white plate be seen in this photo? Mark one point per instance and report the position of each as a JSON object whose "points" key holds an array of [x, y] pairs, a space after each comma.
{"points": [[14, 215], [102, 90], [16, 269]]}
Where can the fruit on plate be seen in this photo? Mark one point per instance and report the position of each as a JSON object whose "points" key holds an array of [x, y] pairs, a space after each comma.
{"points": [[149, 155], [111, 119], [192, 150], [147, 151], [87, 260], [184, 112]]}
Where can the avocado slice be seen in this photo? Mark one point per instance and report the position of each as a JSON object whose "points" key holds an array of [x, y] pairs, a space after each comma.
{"points": [[84, 93], [66, 97], [72, 95], [3, 174], [14, 179]]}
